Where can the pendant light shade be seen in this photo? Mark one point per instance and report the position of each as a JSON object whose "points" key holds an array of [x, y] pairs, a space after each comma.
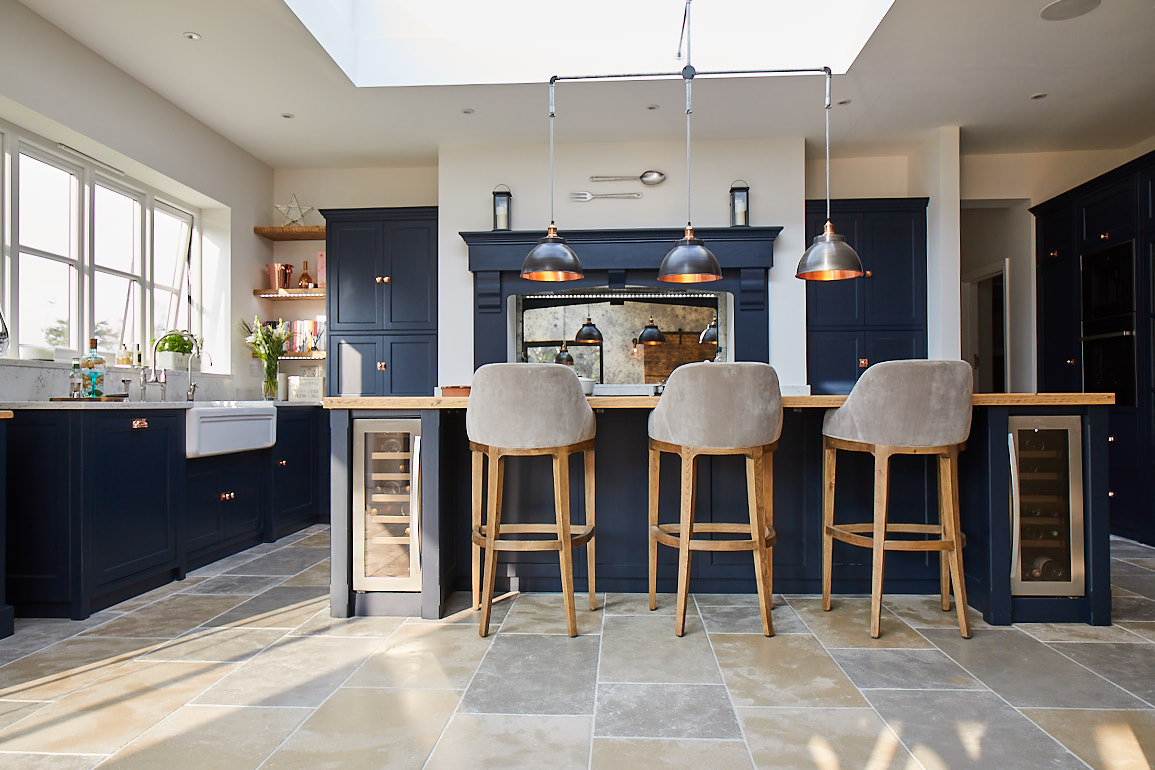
{"points": [[551, 260], [651, 334], [830, 257], [563, 356], [589, 334], [709, 334], [689, 262]]}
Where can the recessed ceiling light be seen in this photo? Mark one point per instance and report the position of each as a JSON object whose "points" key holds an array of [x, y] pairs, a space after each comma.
{"points": [[1038, 96], [1061, 10], [467, 111], [191, 35], [844, 102], [288, 115], [653, 106]]}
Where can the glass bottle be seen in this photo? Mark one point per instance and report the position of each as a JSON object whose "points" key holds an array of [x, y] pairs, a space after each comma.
{"points": [[306, 280], [139, 358], [93, 368], [75, 381]]}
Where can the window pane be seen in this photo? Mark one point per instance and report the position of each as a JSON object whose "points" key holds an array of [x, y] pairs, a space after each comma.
{"points": [[168, 313], [117, 311], [47, 295], [47, 197], [116, 226], [170, 244]]}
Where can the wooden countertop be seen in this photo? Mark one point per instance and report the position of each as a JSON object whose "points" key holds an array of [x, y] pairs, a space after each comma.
{"points": [[5, 414], [788, 402]]}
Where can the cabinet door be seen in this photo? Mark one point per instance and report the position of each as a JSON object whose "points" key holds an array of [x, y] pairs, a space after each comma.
{"points": [[832, 360], [1108, 216], [243, 479], [1060, 364], [295, 471], [356, 365], [411, 262], [1147, 200], [898, 345], [895, 290], [412, 364], [357, 271], [835, 303], [131, 527], [204, 520]]}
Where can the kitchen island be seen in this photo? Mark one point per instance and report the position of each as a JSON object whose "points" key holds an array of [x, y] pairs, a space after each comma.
{"points": [[985, 498]]}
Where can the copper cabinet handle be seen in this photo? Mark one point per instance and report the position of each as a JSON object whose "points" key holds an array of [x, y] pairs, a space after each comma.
{"points": [[1070, 362], [869, 274], [138, 423], [1110, 494], [1054, 253], [863, 363], [1104, 236], [224, 496], [380, 366], [383, 279], [1110, 439], [228, 495], [283, 463]]}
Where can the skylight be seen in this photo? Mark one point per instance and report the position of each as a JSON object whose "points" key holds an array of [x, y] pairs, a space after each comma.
{"points": [[465, 42]]}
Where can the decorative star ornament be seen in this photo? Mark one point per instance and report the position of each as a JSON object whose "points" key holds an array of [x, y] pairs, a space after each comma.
{"points": [[294, 213]]}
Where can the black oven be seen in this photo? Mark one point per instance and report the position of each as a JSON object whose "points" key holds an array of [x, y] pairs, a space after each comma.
{"points": [[1108, 322], [1108, 284]]}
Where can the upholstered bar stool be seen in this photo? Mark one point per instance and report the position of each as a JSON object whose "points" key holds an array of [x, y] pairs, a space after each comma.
{"points": [[901, 407], [524, 410], [717, 409]]}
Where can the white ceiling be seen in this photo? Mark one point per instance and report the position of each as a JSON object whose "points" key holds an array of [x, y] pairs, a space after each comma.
{"points": [[971, 63]]}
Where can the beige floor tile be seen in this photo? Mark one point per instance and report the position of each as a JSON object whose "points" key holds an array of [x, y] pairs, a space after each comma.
{"points": [[104, 716], [323, 624], [146, 599], [923, 611], [12, 711], [424, 656], [315, 540], [228, 645], [821, 738], [617, 753], [458, 609], [296, 671], [680, 711], [1144, 628], [535, 674], [787, 670], [317, 575], [32, 761], [730, 600], [639, 604], [368, 728], [1113, 740], [168, 617], [1141, 561], [644, 648], [67, 666], [545, 614], [847, 624], [513, 742], [217, 737], [1080, 632], [747, 619], [279, 607]]}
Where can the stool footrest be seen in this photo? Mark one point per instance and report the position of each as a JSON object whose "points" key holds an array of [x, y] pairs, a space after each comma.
{"points": [[669, 534], [580, 534], [850, 533]]}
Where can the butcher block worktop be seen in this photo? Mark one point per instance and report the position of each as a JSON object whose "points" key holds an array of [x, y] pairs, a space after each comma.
{"points": [[649, 402]]}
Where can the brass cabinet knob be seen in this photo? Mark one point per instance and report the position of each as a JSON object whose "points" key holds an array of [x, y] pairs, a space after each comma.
{"points": [[1110, 439], [380, 366], [1110, 494], [139, 423], [1054, 253], [224, 496], [869, 274], [1070, 362], [863, 363], [382, 279], [283, 463], [1104, 236]]}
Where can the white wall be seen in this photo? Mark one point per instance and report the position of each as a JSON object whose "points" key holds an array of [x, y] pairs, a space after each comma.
{"points": [[52, 85], [881, 177], [774, 170]]}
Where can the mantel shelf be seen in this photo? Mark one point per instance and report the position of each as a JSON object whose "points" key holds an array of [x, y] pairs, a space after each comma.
{"points": [[292, 233], [287, 294]]}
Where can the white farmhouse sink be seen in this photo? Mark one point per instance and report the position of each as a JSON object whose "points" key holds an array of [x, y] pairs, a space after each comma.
{"points": [[221, 427]]}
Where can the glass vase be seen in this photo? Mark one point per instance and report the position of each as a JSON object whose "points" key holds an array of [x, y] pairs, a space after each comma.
{"points": [[269, 381]]}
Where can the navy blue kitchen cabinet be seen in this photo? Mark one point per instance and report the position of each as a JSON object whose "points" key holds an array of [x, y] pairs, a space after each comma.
{"points": [[881, 316], [96, 506], [382, 285], [1095, 262], [300, 466], [225, 505], [7, 614]]}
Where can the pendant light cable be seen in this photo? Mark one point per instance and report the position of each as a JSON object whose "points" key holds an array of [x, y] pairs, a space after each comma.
{"points": [[825, 112], [553, 114]]}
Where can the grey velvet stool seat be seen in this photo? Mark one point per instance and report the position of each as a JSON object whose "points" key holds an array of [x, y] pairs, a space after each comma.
{"points": [[902, 407], [525, 410], [717, 409]]}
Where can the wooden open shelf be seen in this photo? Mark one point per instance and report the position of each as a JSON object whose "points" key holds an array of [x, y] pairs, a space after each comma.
{"points": [[284, 294], [292, 233]]}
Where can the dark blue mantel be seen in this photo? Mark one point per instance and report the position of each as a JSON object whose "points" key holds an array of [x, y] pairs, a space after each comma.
{"points": [[617, 259]]}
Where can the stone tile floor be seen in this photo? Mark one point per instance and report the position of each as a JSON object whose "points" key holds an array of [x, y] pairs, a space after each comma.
{"points": [[240, 666]]}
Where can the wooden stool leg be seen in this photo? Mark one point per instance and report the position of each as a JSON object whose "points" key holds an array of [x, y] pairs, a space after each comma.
{"points": [[829, 457], [475, 562], [881, 483], [689, 498], [565, 547], [655, 459], [588, 463], [943, 570], [768, 520], [492, 525], [755, 492], [952, 529]]}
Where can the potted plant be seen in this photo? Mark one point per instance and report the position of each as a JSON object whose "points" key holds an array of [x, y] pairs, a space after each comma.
{"points": [[173, 351]]}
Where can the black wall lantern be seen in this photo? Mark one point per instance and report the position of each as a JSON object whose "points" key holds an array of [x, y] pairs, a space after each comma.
{"points": [[739, 204], [502, 207]]}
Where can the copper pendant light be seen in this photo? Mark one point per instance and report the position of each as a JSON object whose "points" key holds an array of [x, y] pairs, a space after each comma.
{"points": [[651, 334], [589, 334], [551, 259]]}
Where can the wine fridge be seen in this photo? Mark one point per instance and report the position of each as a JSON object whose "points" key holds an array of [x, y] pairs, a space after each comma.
{"points": [[1046, 506], [386, 505]]}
